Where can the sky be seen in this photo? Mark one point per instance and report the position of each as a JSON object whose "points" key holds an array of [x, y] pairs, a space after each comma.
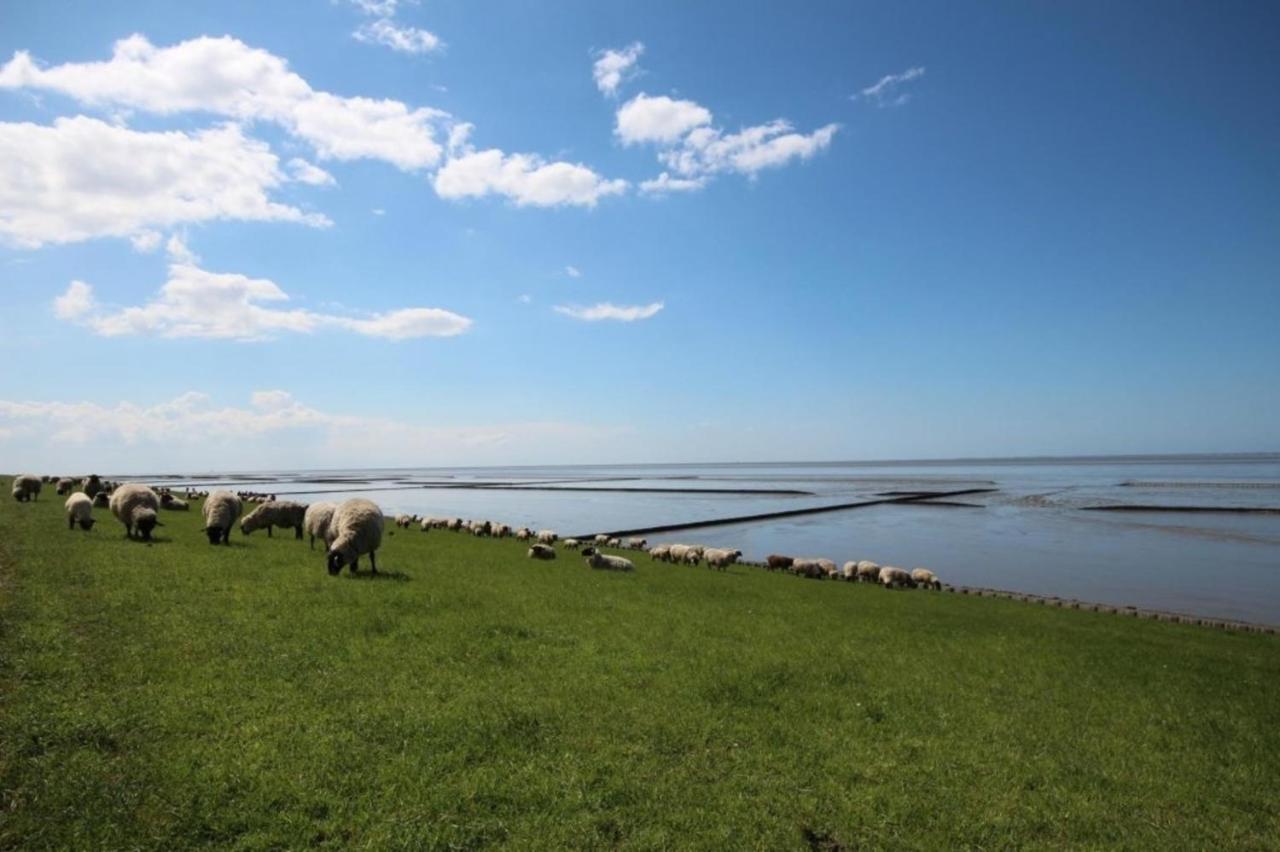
{"points": [[350, 233]]}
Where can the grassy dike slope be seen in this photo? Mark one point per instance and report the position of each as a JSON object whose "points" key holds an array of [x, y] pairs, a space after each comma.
{"points": [[179, 694]]}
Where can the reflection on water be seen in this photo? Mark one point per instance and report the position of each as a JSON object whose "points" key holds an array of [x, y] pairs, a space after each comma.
{"points": [[1029, 535]]}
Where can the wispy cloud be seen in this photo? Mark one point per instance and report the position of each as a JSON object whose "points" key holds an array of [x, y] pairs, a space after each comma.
{"points": [[403, 39], [614, 66], [573, 271], [887, 91], [665, 183], [609, 311]]}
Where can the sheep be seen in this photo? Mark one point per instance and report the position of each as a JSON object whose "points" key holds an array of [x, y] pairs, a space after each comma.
{"points": [[677, 552], [454, 524], [136, 506], [720, 557], [524, 534], [868, 572], [925, 577], [809, 568], [173, 504], [101, 500], [501, 531], [828, 567], [356, 529], [849, 571], [547, 537], [425, 526], [482, 528], [220, 512], [775, 562], [93, 485], [316, 522], [605, 562], [542, 551], [895, 578], [662, 552], [79, 511], [403, 521], [275, 513], [26, 487], [602, 538], [635, 543], [614, 542], [693, 556], [64, 486], [571, 543]]}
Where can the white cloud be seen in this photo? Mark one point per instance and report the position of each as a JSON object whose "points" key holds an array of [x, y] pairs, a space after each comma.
{"points": [[381, 8], [202, 304], [178, 251], [613, 66], [83, 178], [665, 183], [885, 91], [523, 178], [227, 77], [145, 241], [402, 39], [524, 298], [305, 172], [378, 211], [707, 151], [658, 119], [573, 271], [608, 311]]}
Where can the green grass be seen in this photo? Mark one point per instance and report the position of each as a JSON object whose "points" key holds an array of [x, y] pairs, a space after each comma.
{"points": [[179, 694]]}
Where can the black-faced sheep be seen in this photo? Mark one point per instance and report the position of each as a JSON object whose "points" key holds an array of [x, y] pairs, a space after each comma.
{"points": [[542, 551], [606, 562], [925, 577], [220, 512], [26, 487], [721, 558], [275, 513], [79, 511], [136, 506], [895, 578], [868, 572], [356, 529]]}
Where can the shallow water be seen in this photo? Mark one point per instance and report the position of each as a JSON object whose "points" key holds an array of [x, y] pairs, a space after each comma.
{"points": [[1031, 534]]}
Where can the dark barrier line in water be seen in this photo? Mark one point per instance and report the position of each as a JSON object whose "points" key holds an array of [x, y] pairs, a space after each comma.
{"points": [[788, 513], [1235, 510], [279, 492]]}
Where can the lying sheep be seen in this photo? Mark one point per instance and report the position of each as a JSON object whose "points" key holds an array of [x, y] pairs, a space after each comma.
{"points": [[26, 487], [868, 572], [605, 562], [776, 562], [136, 506], [572, 543], [316, 522], [275, 513], [895, 578], [64, 486], [173, 504], [721, 558], [542, 551], [79, 511], [925, 577], [662, 552], [220, 512], [547, 536], [356, 529]]}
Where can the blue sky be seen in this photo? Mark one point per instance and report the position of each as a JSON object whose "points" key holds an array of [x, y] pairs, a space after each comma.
{"points": [[988, 229]]}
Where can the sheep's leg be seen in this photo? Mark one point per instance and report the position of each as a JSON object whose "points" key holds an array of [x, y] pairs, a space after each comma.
{"points": [[297, 532], [71, 523], [373, 562], [355, 565], [268, 530], [313, 542]]}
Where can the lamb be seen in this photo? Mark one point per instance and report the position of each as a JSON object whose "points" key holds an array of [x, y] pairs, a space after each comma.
{"points": [[635, 543], [662, 552], [605, 562], [720, 557], [572, 543], [547, 536], [775, 562], [925, 577], [356, 529], [220, 512], [895, 578], [173, 504], [64, 486], [275, 513], [868, 572], [136, 506], [542, 551], [316, 522], [79, 511], [26, 487]]}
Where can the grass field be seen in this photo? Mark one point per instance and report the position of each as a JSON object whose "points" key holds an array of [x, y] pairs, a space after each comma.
{"points": [[178, 694]]}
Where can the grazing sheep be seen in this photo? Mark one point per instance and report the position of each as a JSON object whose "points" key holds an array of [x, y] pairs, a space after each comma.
{"points": [[501, 531], [693, 556], [275, 513], [316, 522], [64, 486], [101, 500], [809, 568], [542, 551], [403, 521], [547, 536], [601, 539], [26, 487], [173, 504], [849, 572], [721, 558], [482, 528], [776, 562], [662, 552], [524, 534], [677, 552], [220, 512], [828, 567], [925, 577], [356, 529], [614, 542], [895, 578], [868, 572], [427, 523], [635, 543], [79, 511], [571, 543], [605, 562], [136, 506], [454, 524]]}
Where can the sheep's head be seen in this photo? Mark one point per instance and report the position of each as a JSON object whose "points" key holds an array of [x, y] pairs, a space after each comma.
{"points": [[336, 561], [588, 551], [144, 520], [214, 534], [86, 524]]}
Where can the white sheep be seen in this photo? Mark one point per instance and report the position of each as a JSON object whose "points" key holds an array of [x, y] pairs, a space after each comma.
{"points": [[316, 522], [136, 506], [404, 521], [849, 571], [220, 512], [605, 562], [547, 537], [64, 486], [635, 543], [502, 531], [721, 557], [356, 529], [542, 551], [828, 567], [677, 552], [524, 534], [173, 504], [601, 539], [868, 571], [614, 542], [895, 578], [79, 511], [693, 555], [808, 568], [925, 577], [275, 513], [26, 487], [572, 543], [661, 552]]}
